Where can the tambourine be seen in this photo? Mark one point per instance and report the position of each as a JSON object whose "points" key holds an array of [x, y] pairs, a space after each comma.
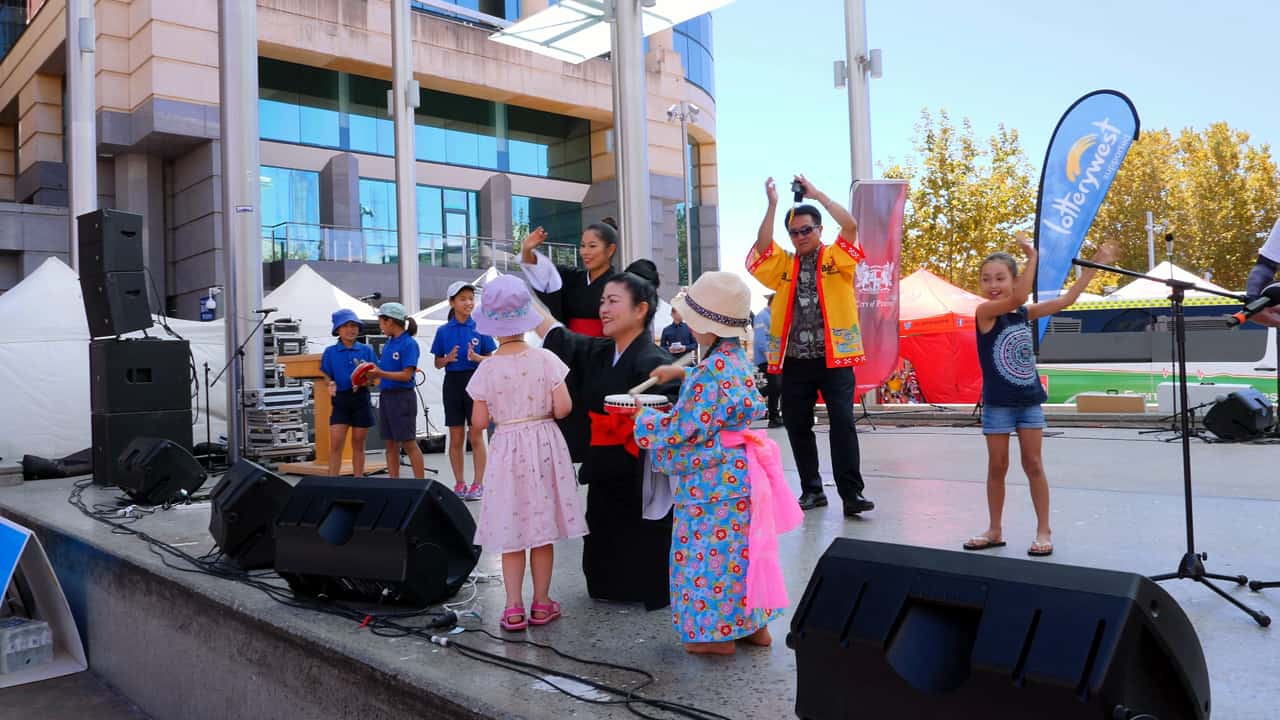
{"points": [[360, 375], [627, 404]]}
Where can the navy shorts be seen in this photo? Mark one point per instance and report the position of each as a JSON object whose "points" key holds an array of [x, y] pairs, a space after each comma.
{"points": [[1003, 419], [352, 408], [457, 403], [398, 415]]}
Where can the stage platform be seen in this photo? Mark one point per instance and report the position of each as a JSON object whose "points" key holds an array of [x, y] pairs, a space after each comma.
{"points": [[187, 646]]}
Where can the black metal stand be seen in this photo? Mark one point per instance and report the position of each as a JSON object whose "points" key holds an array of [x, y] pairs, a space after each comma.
{"points": [[238, 377], [208, 433], [1257, 585], [1191, 567], [866, 414]]}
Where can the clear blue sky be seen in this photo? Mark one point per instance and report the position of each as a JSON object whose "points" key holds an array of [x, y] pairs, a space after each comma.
{"points": [[1182, 63]]}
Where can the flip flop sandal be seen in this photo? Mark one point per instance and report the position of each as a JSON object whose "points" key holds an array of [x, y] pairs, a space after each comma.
{"points": [[1040, 549], [982, 542], [550, 611], [514, 626]]}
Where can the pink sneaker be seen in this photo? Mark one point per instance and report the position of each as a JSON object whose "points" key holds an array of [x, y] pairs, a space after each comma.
{"points": [[475, 493]]}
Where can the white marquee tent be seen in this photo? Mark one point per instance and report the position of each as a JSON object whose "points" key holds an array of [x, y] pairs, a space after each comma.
{"points": [[1143, 289]]}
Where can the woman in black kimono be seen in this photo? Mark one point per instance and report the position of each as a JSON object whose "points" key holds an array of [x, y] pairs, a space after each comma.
{"points": [[573, 294], [625, 557]]}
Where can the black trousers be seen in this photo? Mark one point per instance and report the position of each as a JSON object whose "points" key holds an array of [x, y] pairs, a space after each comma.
{"points": [[801, 382], [772, 389]]}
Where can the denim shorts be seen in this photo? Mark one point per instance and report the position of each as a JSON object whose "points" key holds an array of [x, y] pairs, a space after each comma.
{"points": [[1003, 419]]}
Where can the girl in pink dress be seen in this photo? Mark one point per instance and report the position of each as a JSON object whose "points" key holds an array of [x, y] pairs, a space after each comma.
{"points": [[531, 496]]}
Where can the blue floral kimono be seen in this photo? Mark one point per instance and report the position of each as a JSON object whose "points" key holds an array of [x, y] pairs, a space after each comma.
{"points": [[711, 491]]}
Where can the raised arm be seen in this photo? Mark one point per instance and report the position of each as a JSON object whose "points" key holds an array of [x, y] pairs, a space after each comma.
{"points": [[764, 236], [1105, 256], [1021, 286]]}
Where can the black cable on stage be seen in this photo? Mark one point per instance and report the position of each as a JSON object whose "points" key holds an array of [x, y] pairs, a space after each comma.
{"points": [[390, 624]]}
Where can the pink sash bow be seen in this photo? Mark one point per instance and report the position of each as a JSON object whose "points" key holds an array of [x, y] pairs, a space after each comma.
{"points": [[773, 511]]}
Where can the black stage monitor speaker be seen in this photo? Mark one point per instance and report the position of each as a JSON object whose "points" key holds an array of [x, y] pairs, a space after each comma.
{"points": [[139, 375], [246, 502], [115, 303], [112, 432], [1243, 415], [110, 241], [404, 541], [891, 631], [155, 471]]}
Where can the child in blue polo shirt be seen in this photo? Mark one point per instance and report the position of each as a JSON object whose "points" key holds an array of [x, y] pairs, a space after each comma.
{"points": [[459, 349], [351, 406], [398, 404]]}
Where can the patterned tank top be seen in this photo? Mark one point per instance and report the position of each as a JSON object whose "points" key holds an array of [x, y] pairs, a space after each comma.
{"points": [[1008, 360]]}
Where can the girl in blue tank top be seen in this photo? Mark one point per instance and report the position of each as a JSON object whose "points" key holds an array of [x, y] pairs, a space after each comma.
{"points": [[1011, 391]]}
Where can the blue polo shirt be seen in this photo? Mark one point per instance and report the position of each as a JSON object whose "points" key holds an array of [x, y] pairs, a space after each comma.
{"points": [[399, 353], [760, 340], [461, 334], [339, 361]]}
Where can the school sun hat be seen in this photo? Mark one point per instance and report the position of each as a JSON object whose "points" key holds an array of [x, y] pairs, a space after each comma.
{"points": [[342, 317], [459, 286], [507, 308], [393, 310], [718, 303]]}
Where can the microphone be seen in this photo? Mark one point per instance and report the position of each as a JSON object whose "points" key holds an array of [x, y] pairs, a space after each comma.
{"points": [[371, 296], [266, 311], [1269, 296]]}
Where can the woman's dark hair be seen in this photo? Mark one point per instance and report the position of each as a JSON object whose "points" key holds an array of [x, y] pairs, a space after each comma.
{"points": [[647, 270], [409, 325], [607, 231], [1001, 257], [640, 290]]}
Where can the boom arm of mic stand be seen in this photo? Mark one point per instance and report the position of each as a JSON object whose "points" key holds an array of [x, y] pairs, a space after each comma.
{"points": [[1172, 283], [240, 350]]}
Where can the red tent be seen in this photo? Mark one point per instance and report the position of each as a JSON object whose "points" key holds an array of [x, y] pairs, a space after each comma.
{"points": [[935, 323]]}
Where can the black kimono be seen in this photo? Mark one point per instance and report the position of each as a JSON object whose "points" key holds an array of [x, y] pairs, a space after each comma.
{"points": [[625, 557], [577, 302]]}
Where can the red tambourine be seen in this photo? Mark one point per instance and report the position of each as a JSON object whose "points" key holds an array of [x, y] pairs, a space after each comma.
{"points": [[360, 375]]}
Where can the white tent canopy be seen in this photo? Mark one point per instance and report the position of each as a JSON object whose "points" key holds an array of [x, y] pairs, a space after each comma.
{"points": [[1143, 289], [44, 366], [309, 298]]}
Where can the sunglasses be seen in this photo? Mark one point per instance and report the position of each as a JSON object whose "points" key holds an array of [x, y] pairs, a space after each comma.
{"points": [[803, 231]]}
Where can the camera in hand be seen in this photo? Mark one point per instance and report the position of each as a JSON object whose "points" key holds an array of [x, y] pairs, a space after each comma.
{"points": [[798, 190]]}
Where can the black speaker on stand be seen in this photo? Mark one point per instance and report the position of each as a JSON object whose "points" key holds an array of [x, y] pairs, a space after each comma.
{"points": [[892, 631], [397, 541], [112, 275]]}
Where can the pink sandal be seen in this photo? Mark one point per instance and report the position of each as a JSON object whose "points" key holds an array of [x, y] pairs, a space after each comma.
{"points": [[550, 611], [514, 611]]}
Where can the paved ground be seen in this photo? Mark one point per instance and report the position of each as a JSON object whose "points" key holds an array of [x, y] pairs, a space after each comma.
{"points": [[1117, 503]]}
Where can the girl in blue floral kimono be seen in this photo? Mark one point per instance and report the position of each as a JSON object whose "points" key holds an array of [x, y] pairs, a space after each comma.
{"points": [[730, 499]]}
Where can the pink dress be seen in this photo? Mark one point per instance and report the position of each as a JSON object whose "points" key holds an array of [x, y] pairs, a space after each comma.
{"points": [[530, 491]]}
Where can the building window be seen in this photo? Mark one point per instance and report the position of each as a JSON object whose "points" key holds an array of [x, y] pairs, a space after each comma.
{"points": [[290, 202], [693, 42], [313, 106], [561, 219], [505, 9], [448, 224]]}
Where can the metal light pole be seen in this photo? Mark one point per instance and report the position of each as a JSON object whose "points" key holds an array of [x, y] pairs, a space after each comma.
{"points": [[402, 100], [686, 112], [630, 132], [241, 228], [82, 141], [860, 64]]}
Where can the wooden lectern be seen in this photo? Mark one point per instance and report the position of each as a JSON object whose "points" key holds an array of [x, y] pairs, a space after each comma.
{"points": [[307, 367]]}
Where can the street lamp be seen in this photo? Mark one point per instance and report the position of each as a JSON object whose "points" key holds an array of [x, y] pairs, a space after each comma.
{"points": [[686, 112]]}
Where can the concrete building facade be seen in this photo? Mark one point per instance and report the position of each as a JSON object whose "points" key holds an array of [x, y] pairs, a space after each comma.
{"points": [[505, 140]]}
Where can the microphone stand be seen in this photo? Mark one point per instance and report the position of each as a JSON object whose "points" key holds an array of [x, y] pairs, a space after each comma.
{"points": [[1191, 567], [238, 359]]}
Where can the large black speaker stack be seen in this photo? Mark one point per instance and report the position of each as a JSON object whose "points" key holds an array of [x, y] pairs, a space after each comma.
{"points": [[112, 277], [138, 389], [398, 541], [891, 631]]}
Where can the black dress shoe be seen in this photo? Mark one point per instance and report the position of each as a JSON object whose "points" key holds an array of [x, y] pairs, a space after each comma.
{"points": [[809, 501], [857, 505], [774, 423]]}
